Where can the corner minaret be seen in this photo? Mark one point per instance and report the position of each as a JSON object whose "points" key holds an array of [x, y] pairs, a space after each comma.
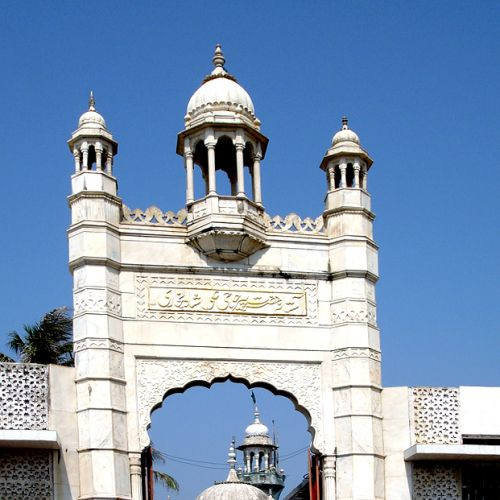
{"points": [[222, 133], [93, 148], [353, 263]]}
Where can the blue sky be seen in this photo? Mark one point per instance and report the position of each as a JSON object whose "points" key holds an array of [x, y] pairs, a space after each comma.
{"points": [[419, 82]]}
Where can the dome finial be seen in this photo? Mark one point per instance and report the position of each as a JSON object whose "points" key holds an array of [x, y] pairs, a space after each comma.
{"points": [[345, 123], [231, 456], [218, 59], [256, 415], [91, 101]]}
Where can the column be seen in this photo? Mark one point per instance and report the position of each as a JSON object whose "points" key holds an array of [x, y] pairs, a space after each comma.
{"points": [[85, 156], [343, 177], [365, 178], [329, 477], [331, 177], [240, 175], [211, 169], [188, 158], [356, 168], [76, 154], [109, 163], [257, 193], [98, 157], [247, 460], [135, 476]]}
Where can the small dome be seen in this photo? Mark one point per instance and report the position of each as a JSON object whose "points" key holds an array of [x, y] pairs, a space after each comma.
{"points": [[220, 93], [91, 118], [345, 134], [232, 489], [257, 428]]}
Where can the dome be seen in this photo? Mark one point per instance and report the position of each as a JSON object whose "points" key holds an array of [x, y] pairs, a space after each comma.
{"points": [[232, 489], [345, 134], [219, 94], [257, 428], [91, 118]]}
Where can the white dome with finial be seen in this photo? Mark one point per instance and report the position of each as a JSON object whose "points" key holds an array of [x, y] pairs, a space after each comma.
{"points": [[232, 488], [345, 134], [91, 118], [257, 428], [221, 93]]}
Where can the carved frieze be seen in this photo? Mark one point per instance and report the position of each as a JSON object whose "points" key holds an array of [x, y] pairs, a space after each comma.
{"points": [[153, 215], [23, 396], [301, 381], [356, 352], [97, 343], [213, 300], [354, 311], [436, 415], [96, 300]]}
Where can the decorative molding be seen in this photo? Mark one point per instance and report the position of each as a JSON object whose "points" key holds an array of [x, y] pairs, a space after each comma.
{"points": [[96, 300], [301, 381], [356, 352], [24, 390], [26, 474], [435, 412], [281, 302], [154, 216], [436, 482], [292, 223], [97, 343], [354, 311]]}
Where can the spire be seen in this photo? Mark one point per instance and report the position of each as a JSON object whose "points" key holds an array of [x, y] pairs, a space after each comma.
{"points": [[345, 123], [231, 456], [91, 101], [218, 59], [256, 415]]}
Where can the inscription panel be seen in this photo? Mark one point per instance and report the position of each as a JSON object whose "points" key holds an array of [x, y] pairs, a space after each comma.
{"points": [[201, 299]]}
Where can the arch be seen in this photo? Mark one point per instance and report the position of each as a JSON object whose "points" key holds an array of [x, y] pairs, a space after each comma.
{"points": [[349, 175], [299, 382], [200, 158], [336, 176], [91, 159]]}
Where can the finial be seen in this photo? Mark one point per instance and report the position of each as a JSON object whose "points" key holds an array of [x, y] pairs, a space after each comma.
{"points": [[345, 123], [231, 456], [256, 414], [91, 101], [218, 59]]}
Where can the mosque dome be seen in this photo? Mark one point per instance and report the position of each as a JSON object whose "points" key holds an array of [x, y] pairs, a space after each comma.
{"points": [[345, 134], [91, 118], [219, 94], [257, 428], [232, 489]]}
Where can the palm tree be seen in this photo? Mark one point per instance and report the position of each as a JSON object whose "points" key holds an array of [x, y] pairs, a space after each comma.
{"points": [[47, 341], [162, 477]]}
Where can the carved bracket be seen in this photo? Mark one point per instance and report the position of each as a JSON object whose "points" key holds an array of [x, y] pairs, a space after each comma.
{"points": [[300, 382]]}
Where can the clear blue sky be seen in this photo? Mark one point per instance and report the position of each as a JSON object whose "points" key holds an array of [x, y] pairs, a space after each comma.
{"points": [[419, 82]]}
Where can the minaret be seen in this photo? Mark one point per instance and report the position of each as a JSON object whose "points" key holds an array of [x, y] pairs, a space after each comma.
{"points": [[259, 459], [353, 261], [222, 133], [94, 259]]}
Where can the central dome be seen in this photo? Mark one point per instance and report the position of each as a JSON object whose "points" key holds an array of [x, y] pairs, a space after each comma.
{"points": [[220, 99], [232, 489]]}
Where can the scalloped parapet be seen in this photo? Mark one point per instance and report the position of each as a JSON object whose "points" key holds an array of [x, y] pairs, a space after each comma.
{"points": [[291, 223]]}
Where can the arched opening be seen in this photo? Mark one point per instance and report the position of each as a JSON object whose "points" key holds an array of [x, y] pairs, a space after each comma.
{"points": [[336, 176], [225, 161], [195, 424], [248, 155], [200, 158], [349, 174], [91, 158]]}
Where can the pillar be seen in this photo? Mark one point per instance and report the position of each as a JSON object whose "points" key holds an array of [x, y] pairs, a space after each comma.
{"points": [[135, 476], [211, 169], [188, 158], [98, 157], [85, 156], [356, 168], [109, 163], [343, 177], [257, 193], [76, 155], [240, 175], [329, 478], [331, 177]]}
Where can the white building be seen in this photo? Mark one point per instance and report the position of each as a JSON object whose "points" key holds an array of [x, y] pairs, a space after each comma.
{"points": [[221, 289]]}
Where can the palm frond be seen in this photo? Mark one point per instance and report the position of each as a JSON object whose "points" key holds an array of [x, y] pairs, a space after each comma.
{"points": [[166, 480], [5, 359]]}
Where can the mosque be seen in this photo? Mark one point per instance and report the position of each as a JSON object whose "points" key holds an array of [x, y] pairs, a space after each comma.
{"points": [[222, 290]]}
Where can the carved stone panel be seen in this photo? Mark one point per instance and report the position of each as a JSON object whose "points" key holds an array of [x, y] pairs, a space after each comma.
{"points": [[23, 396], [225, 300], [26, 474], [96, 300], [301, 381], [436, 482], [436, 415]]}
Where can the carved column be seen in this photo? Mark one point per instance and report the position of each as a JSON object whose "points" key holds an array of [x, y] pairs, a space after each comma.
{"points": [[212, 189], [356, 168], [331, 177], [188, 157], [240, 175], [109, 163], [85, 156], [343, 176], [135, 476], [257, 193], [365, 178], [329, 477], [98, 157], [76, 154]]}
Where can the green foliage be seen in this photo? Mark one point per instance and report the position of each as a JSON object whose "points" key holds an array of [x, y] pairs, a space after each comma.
{"points": [[162, 477], [45, 342]]}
